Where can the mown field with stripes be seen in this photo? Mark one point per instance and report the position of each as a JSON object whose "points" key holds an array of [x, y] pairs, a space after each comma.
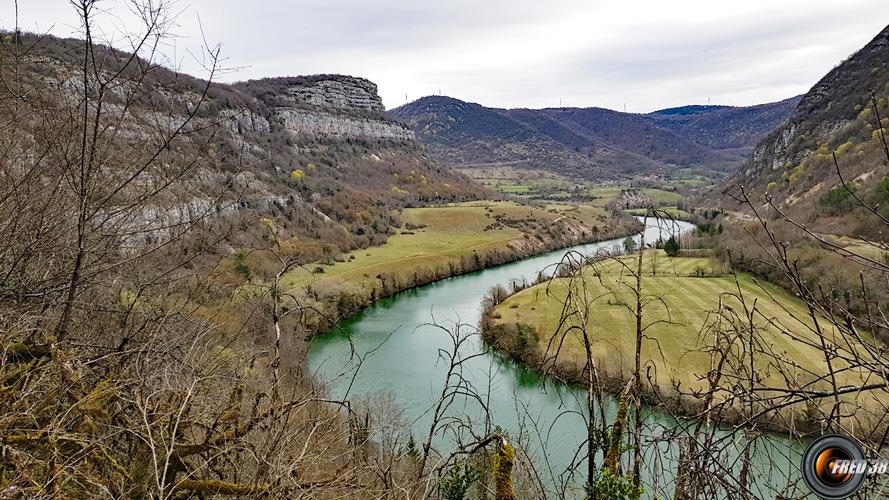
{"points": [[681, 295]]}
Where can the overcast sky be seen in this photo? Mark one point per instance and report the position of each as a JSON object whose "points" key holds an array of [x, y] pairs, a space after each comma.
{"points": [[644, 55]]}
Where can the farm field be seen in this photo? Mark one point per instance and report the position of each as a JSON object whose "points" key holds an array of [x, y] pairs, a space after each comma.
{"points": [[444, 234], [604, 194], [859, 247], [691, 182], [687, 290], [662, 196], [520, 182], [542, 185], [674, 212]]}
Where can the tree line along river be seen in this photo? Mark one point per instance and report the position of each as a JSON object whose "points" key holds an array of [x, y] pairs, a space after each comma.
{"points": [[400, 363]]}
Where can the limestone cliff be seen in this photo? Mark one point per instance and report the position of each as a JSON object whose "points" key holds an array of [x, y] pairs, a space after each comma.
{"points": [[318, 155], [844, 116], [331, 106], [826, 116], [338, 92]]}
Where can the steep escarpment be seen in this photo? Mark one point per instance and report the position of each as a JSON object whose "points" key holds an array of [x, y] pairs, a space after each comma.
{"points": [[131, 197], [845, 114], [334, 92], [318, 153], [327, 106]]}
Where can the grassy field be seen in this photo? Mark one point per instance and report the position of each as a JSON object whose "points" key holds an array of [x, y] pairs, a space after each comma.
{"points": [[675, 212], [858, 247], [604, 194], [674, 342], [513, 188], [446, 233], [661, 196], [688, 180], [517, 181], [540, 184]]}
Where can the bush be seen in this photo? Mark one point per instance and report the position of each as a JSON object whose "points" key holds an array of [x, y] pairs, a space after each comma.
{"points": [[838, 199], [629, 244], [613, 487], [526, 337], [241, 266], [881, 194], [455, 484], [516, 339]]}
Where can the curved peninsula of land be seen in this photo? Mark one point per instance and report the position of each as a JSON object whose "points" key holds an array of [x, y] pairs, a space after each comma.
{"points": [[682, 297]]}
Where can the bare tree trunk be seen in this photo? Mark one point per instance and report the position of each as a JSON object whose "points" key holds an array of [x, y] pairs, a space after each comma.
{"points": [[637, 372]]}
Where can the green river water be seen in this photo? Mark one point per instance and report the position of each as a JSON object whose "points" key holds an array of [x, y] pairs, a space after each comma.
{"points": [[404, 369]]}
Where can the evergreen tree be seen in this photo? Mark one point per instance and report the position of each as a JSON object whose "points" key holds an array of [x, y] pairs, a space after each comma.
{"points": [[671, 247], [629, 244]]}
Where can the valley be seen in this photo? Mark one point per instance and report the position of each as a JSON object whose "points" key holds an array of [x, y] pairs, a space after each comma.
{"points": [[593, 143], [440, 242], [279, 287], [627, 197]]}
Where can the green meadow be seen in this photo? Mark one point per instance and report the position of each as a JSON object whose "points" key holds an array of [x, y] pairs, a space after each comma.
{"points": [[681, 295]]}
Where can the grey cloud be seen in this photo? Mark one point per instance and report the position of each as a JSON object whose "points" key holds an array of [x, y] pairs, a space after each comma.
{"points": [[520, 53]]}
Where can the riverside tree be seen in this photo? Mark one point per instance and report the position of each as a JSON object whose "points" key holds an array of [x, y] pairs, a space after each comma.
{"points": [[671, 247], [629, 244]]}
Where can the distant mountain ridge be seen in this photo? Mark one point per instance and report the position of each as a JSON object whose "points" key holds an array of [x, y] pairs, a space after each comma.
{"points": [[726, 128], [591, 142], [691, 109]]}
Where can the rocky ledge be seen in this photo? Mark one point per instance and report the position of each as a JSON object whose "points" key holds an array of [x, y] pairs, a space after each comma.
{"points": [[335, 92], [337, 106], [323, 124]]}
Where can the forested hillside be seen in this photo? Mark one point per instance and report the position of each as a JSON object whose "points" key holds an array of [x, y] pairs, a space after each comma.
{"points": [[733, 130], [835, 136], [819, 187], [320, 148], [592, 143], [142, 355]]}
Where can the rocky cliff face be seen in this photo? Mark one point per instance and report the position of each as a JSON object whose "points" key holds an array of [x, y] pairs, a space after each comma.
{"points": [[343, 93], [331, 106], [828, 115], [323, 124], [838, 124], [319, 155]]}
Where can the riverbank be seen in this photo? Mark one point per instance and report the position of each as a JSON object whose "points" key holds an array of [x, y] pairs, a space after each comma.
{"points": [[398, 371], [662, 399], [676, 351], [437, 243]]}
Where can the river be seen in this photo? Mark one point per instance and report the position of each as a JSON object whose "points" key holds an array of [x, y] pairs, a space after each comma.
{"points": [[404, 368]]}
